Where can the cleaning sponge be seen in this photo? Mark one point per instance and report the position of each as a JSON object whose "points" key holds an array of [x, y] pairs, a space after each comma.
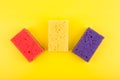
{"points": [[58, 35], [27, 45], [88, 44]]}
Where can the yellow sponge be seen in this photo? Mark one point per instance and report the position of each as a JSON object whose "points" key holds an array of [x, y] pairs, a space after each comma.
{"points": [[58, 35]]}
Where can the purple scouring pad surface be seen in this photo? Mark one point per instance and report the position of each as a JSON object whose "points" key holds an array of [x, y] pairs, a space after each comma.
{"points": [[88, 44]]}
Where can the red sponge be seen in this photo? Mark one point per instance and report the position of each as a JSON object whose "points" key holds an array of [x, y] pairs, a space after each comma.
{"points": [[27, 45]]}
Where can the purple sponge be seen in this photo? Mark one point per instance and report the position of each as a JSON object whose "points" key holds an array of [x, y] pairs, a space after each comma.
{"points": [[88, 44]]}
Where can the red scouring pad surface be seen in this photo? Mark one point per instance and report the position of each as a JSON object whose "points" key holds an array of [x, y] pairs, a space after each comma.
{"points": [[27, 45]]}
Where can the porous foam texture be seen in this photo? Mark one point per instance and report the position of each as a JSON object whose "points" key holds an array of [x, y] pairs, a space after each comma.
{"points": [[27, 45], [88, 44], [58, 35]]}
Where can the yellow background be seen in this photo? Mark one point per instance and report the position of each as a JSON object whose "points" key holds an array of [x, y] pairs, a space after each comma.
{"points": [[101, 15]]}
